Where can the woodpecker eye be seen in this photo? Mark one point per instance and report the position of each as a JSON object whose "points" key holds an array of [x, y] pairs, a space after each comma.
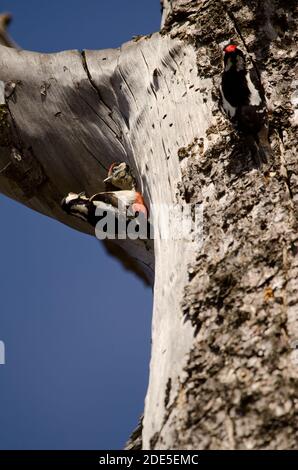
{"points": [[115, 169]]}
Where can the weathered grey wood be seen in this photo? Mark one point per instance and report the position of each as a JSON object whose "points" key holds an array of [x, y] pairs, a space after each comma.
{"points": [[142, 96], [225, 298], [63, 134], [161, 86]]}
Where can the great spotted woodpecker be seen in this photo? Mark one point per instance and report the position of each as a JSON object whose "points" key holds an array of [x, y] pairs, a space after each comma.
{"points": [[243, 99], [127, 203], [120, 176], [110, 215]]}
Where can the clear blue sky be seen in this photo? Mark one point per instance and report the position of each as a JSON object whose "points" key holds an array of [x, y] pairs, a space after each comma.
{"points": [[76, 326]]}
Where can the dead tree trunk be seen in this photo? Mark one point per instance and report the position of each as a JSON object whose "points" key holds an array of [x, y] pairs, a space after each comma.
{"points": [[222, 373]]}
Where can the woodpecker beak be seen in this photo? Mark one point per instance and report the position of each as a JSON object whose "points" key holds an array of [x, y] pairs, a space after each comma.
{"points": [[113, 175], [108, 179]]}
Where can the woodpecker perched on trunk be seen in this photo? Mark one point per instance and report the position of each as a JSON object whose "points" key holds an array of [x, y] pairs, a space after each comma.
{"points": [[120, 176], [109, 213], [126, 203], [243, 99]]}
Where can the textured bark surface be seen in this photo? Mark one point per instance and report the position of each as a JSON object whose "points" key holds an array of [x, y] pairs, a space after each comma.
{"points": [[225, 300], [240, 383]]}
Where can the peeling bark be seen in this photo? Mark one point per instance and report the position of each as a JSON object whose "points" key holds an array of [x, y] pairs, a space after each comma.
{"points": [[225, 300]]}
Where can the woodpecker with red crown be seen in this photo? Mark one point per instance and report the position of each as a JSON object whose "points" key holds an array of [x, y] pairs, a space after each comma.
{"points": [[243, 99], [120, 176], [128, 202], [115, 219]]}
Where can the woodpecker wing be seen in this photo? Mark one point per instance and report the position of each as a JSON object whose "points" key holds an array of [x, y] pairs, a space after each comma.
{"points": [[121, 200], [107, 197], [256, 83]]}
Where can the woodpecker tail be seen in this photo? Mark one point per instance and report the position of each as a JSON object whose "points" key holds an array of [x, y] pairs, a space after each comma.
{"points": [[258, 152], [264, 149]]}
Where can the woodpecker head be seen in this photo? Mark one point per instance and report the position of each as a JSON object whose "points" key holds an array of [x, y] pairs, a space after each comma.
{"points": [[233, 58], [120, 176], [77, 205], [230, 48]]}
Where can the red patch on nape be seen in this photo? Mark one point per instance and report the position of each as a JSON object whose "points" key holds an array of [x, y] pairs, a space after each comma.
{"points": [[140, 208], [111, 167], [230, 48], [139, 204]]}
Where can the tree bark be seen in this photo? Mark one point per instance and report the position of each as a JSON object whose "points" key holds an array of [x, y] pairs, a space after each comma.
{"points": [[222, 373]]}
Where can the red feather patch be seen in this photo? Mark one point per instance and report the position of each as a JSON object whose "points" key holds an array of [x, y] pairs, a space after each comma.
{"points": [[111, 167], [230, 48]]}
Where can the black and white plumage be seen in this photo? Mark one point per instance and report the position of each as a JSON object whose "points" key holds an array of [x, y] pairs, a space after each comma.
{"points": [[125, 200], [243, 99], [79, 205], [116, 209]]}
